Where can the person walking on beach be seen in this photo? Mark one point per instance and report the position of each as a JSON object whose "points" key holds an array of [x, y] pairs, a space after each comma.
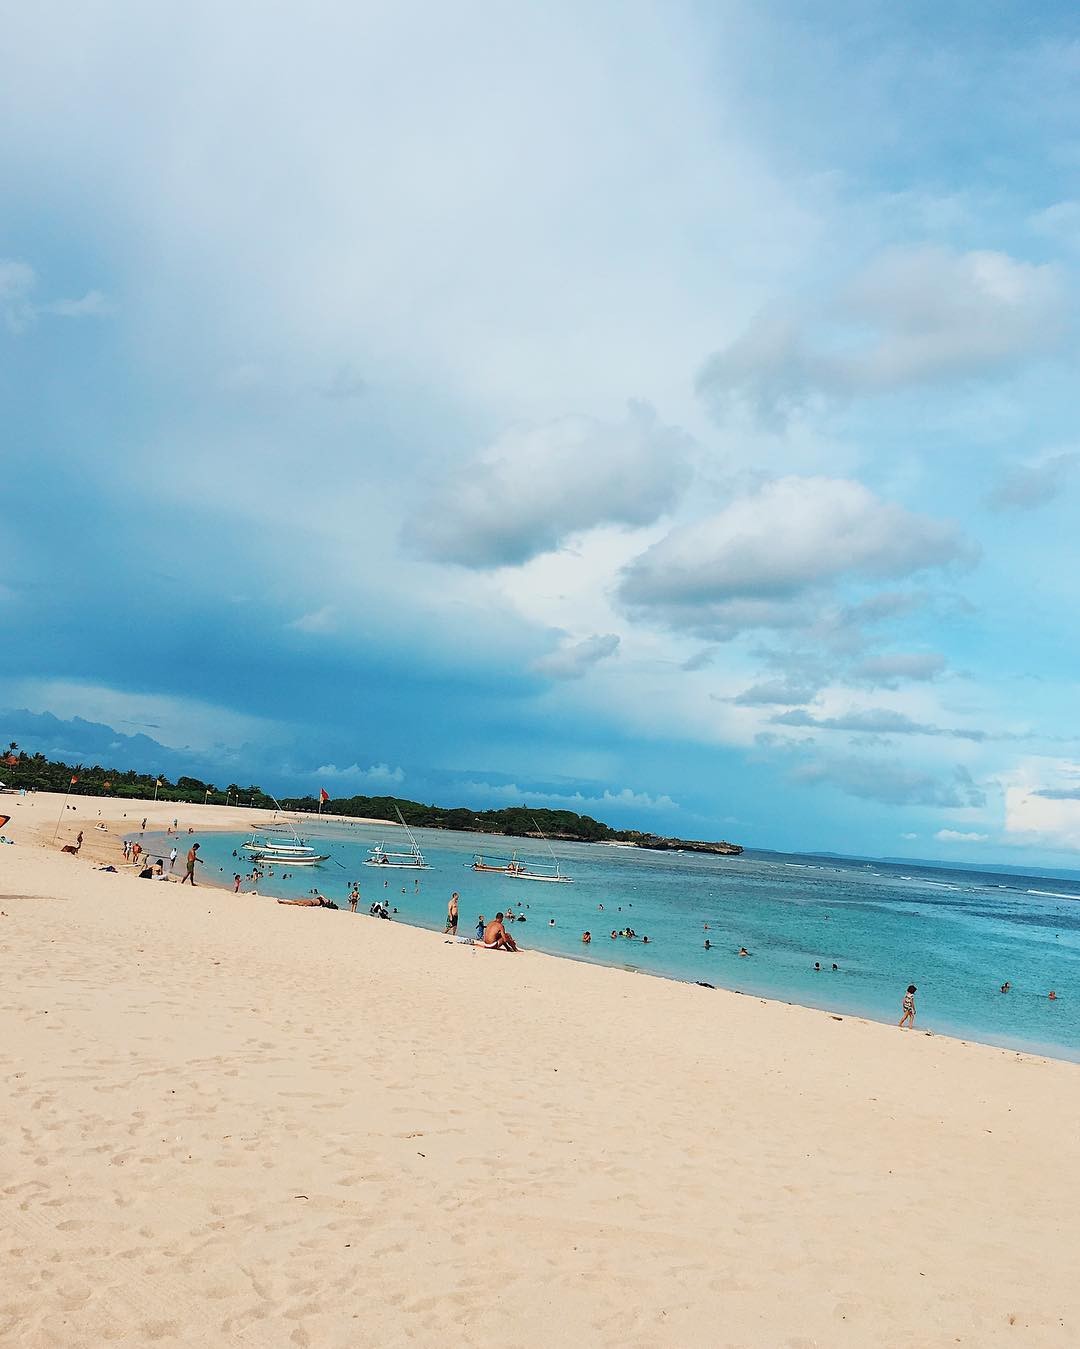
{"points": [[451, 915], [909, 1008], [78, 841], [172, 859], [192, 858]]}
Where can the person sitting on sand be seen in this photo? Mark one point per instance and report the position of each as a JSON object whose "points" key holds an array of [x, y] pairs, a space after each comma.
{"points": [[497, 937], [909, 1007]]}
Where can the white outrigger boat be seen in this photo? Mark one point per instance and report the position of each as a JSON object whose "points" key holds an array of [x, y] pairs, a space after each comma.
{"points": [[267, 851], [413, 860], [517, 871]]}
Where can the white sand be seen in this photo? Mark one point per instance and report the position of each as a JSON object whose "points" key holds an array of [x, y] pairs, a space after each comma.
{"points": [[229, 1122]]}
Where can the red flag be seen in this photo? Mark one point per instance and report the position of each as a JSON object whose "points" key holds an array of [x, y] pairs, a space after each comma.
{"points": [[73, 781], [324, 795]]}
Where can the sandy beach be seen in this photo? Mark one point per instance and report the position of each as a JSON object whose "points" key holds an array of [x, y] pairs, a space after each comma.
{"points": [[230, 1122]]}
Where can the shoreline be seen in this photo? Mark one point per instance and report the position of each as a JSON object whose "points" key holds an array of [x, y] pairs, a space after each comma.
{"points": [[222, 819], [226, 1114]]}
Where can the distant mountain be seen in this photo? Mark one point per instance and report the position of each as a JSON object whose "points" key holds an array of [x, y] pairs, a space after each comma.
{"points": [[80, 741]]}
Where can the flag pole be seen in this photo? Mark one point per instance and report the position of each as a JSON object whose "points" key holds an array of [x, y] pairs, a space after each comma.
{"points": [[63, 808]]}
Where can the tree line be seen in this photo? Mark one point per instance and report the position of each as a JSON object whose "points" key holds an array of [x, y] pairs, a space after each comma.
{"points": [[36, 772]]}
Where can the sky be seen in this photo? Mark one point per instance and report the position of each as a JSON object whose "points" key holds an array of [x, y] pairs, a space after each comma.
{"points": [[666, 411]]}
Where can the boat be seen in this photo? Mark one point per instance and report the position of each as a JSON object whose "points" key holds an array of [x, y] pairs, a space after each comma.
{"points": [[413, 860], [266, 850], [270, 859], [517, 871]]}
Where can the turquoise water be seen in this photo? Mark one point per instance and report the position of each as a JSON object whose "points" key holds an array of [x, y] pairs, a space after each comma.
{"points": [[958, 935]]}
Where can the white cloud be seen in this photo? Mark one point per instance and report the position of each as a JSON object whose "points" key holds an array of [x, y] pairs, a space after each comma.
{"points": [[753, 563], [536, 486], [19, 309], [891, 782], [959, 836], [789, 691], [887, 670], [1027, 486], [17, 281], [909, 837], [573, 659], [875, 721], [378, 775], [578, 801], [317, 621], [912, 316], [94, 304], [1042, 803]]}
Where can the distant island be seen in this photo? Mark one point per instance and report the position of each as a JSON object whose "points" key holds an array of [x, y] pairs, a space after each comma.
{"points": [[34, 772]]}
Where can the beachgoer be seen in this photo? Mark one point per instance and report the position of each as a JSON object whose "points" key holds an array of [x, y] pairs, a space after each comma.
{"points": [[909, 1007], [835, 966], [236, 883], [817, 965], [354, 898], [645, 941], [317, 903], [551, 922], [192, 858], [480, 928], [451, 915], [743, 951], [173, 856], [78, 841], [708, 944], [1006, 986], [586, 937], [496, 935], [144, 823], [614, 935], [1052, 996]]}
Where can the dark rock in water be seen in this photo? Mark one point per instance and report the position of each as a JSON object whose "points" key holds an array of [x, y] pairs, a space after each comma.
{"points": [[658, 844]]}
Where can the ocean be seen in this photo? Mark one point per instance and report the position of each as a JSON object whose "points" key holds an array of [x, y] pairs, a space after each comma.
{"points": [[957, 935]]}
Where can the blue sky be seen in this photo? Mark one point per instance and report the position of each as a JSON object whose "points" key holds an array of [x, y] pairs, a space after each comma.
{"points": [[664, 410]]}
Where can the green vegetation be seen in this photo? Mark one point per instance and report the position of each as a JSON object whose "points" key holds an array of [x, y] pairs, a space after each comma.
{"points": [[34, 771], [19, 769]]}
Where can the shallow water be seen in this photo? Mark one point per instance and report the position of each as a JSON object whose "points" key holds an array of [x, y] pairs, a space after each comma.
{"points": [[958, 935]]}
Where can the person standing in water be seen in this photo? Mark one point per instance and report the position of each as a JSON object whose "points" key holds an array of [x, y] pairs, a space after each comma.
{"points": [[909, 1007], [452, 915], [192, 858]]}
